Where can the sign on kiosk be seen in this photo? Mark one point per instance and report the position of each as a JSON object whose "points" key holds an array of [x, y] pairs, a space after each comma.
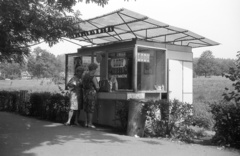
{"points": [[143, 57], [118, 62]]}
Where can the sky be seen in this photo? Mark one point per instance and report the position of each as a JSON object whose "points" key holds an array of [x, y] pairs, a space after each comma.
{"points": [[218, 20]]}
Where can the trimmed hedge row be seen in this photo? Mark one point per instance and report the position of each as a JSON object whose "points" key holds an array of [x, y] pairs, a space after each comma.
{"points": [[45, 105]]}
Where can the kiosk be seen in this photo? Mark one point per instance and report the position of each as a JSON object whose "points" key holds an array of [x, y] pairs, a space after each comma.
{"points": [[150, 59]]}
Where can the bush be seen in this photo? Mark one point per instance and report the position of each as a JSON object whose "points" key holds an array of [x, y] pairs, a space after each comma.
{"points": [[227, 126], [202, 116], [39, 102], [53, 107], [180, 118], [174, 120], [59, 106], [226, 112], [8, 100], [49, 106]]}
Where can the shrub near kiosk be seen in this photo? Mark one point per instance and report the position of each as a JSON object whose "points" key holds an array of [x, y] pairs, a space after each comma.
{"points": [[173, 121], [226, 112]]}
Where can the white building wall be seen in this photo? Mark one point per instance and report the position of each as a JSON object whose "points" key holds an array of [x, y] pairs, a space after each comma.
{"points": [[180, 75], [188, 82]]}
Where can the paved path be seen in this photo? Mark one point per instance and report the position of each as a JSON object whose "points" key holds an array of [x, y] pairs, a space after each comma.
{"points": [[23, 136]]}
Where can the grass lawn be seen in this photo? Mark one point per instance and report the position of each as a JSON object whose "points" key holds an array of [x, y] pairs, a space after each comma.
{"points": [[35, 85], [210, 89]]}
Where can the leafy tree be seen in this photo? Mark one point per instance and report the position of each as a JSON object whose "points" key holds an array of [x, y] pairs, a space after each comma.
{"points": [[43, 64], [11, 70], [61, 60], [24, 22], [234, 75], [205, 64], [220, 66], [217, 68], [195, 67], [223, 65], [31, 65]]}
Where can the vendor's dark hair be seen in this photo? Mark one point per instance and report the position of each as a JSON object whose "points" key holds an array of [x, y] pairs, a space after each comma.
{"points": [[92, 66]]}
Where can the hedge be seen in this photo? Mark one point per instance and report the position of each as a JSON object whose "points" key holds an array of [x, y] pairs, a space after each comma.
{"points": [[45, 105]]}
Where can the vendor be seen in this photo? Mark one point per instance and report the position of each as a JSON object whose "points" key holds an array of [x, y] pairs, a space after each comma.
{"points": [[113, 82]]}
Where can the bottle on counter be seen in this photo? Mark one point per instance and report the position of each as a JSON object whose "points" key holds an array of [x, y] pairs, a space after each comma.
{"points": [[111, 86]]}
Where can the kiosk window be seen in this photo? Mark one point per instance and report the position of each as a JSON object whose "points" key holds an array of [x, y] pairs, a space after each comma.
{"points": [[150, 68], [80, 60], [120, 65], [70, 68]]}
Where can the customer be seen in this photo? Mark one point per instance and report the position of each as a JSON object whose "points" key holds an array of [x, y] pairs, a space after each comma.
{"points": [[90, 87], [76, 97]]}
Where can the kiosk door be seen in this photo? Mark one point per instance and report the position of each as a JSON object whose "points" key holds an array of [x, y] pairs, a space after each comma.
{"points": [[180, 81]]}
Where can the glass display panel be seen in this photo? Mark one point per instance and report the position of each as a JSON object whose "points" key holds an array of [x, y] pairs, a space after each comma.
{"points": [[150, 69], [69, 67], [95, 60], [120, 66]]}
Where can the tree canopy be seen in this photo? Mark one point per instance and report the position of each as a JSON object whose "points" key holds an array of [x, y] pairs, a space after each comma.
{"points": [[205, 63], [41, 63], [26, 22]]}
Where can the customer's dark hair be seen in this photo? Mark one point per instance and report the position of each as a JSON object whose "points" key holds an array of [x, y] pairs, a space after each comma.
{"points": [[79, 68], [92, 66]]}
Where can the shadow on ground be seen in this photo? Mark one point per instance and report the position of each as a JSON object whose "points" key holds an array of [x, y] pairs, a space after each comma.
{"points": [[24, 136], [19, 134]]}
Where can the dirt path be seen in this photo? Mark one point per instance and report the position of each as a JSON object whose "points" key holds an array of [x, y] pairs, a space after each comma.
{"points": [[23, 136]]}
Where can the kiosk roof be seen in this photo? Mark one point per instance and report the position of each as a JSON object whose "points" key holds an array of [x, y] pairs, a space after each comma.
{"points": [[123, 25]]}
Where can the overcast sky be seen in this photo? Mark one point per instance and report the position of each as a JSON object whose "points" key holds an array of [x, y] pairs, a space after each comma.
{"points": [[218, 20]]}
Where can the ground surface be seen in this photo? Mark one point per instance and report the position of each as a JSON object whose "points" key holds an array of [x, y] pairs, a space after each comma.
{"points": [[24, 136]]}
